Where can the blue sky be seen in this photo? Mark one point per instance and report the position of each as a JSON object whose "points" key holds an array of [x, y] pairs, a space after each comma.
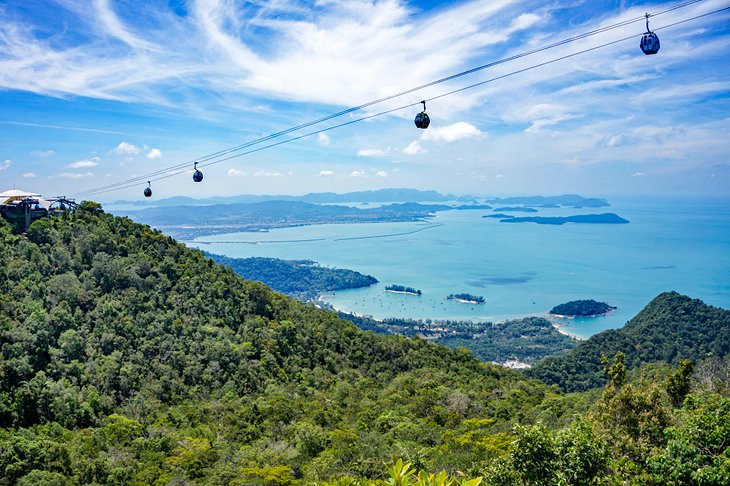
{"points": [[95, 92]]}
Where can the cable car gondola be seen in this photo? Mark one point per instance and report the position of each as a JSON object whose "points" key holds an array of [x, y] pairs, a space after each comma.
{"points": [[649, 41], [197, 175], [148, 190], [422, 120]]}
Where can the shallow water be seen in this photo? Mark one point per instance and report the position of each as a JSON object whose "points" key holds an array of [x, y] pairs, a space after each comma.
{"points": [[521, 269]]}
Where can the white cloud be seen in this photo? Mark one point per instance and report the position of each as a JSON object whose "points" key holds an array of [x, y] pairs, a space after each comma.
{"points": [[30, 175], [83, 164], [499, 176], [264, 173], [326, 173], [373, 152], [236, 173], [323, 139], [72, 175], [154, 154], [358, 173], [525, 20], [381, 173], [43, 153], [5, 164], [125, 148], [452, 133], [638, 174], [414, 148]]}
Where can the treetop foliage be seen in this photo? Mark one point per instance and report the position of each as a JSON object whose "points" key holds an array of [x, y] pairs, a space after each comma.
{"points": [[128, 359]]}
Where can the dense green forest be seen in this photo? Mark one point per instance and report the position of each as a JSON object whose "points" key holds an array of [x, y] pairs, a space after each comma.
{"points": [[303, 279], [672, 327], [127, 358], [583, 308]]}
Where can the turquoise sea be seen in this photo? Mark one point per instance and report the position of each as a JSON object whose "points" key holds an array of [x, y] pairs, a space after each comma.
{"points": [[522, 269]]}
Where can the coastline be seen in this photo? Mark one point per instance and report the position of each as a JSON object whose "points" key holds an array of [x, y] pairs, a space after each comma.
{"points": [[561, 316], [559, 328], [463, 301], [402, 292]]}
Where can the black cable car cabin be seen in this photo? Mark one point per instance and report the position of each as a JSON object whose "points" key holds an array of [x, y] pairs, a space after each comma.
{"points": [[148, 190], [422, 120], [197, 175], [649, 41]]}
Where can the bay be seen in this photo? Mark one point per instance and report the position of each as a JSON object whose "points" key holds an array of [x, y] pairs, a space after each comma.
{"points": [[522, 269]]}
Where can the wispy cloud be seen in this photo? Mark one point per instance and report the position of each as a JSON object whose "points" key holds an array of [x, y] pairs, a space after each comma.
{"points": [[381, 173], [6, 163], [358, 173], [43, 153], [266, 173], [83, 164], [154, 154], [30, 175], [234, 49], [55, 127], [326, 173], [72, 175], [236, 172], [373, 152]]}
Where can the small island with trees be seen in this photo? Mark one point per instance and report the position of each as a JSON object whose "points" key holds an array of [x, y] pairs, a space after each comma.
{"points": [[467, 298], [402, 289], [581, 308]]}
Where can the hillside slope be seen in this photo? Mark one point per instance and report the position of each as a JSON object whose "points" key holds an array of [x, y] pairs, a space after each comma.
{"points": [[670, 328], [128, 358]]}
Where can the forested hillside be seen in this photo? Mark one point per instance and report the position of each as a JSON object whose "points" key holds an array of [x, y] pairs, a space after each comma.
{"points": [[303, 279], [129, 359], [671, 328], [115, 337]]}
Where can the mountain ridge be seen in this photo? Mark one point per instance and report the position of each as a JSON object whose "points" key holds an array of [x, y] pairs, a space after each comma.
{"points": [[670, 328]]}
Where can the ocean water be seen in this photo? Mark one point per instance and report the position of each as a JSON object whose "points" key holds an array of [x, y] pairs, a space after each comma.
{"points": [[521, 269]]}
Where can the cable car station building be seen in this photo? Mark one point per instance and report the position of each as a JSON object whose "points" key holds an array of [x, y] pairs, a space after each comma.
{"points": [[21, 208]]}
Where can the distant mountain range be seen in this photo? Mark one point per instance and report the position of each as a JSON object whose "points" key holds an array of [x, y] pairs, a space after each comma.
{"points": [[374, 196], [379, 196]]}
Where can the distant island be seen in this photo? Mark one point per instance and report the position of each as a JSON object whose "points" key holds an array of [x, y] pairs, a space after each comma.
{"points": [[467, 298], [401, 289], [605, 218], [517, 210], [581, 308]]}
